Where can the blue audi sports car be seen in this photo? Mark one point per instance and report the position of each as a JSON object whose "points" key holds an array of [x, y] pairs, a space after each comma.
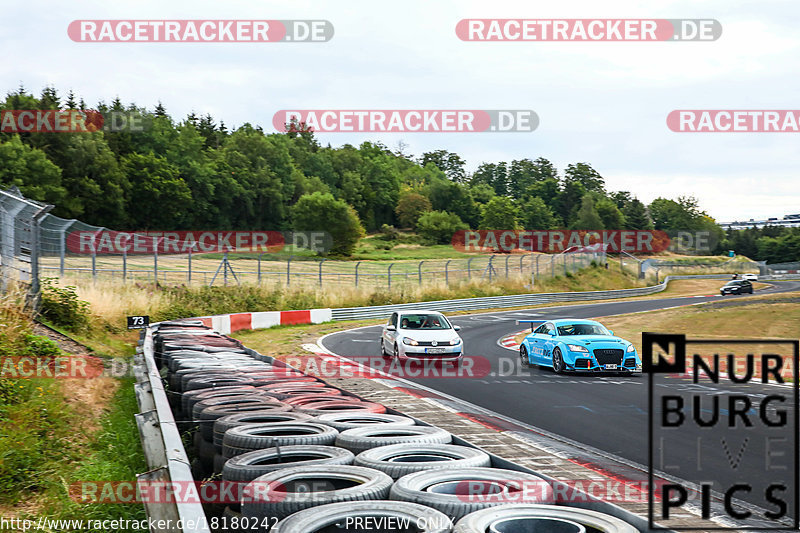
{"points": [[569, 345]]}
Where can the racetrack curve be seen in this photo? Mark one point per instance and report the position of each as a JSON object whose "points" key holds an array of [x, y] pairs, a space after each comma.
{"points": [[607, 413]]}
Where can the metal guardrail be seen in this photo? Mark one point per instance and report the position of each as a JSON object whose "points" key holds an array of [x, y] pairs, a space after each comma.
{"points": [[517, 300], [163, 447]]}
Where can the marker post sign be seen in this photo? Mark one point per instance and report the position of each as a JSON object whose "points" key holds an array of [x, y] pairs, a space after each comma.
{"points": [[138, 322], [723, 432]]}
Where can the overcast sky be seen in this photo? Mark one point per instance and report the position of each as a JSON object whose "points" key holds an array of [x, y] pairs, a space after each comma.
{"points": [[603, 103]]}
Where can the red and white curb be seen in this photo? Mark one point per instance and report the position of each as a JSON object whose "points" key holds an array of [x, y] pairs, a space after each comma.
{"points": [[225, 324], [509, 342]]}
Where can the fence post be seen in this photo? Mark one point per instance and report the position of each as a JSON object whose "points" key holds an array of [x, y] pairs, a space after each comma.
{"points": [[357, 265], [553, 266], [63, 251], [155, 260], [124, 265], [288, 268], [259, 267], [446, 273], [489, 268], [35, 253], [469, 267], [419, 271], [389, 274], [189, 274], [225, 269], [507, 258], [565, 264], [320, 271], [94, 256], [573, 263], [537, 265]]}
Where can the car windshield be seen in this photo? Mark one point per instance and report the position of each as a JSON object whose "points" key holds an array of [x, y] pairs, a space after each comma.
{"points": [[734, 283], [582, 329], [422, 321]]}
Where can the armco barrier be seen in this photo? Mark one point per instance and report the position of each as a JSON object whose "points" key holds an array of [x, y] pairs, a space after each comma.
{"points": [[266, 319]]}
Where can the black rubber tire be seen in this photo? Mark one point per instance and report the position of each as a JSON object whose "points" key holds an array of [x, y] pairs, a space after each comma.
{"points": [[224, 423], [214, 381], [236, 399], [205, 452], [399, 460], [535, 517], [558, 361], [344, 420], [325, 517], [219, 463], [250, 465], [451, 491], [523, 357], [384, 353], [209, 415], [359, 439], [186, 407], [243, 439], [325, 406], [323, 484]]}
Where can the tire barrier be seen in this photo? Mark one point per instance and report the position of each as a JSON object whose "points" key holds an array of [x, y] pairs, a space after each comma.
{"points": [[459, 492], [326, 406], [243, 439], [399, 460], [524, 518], [326, 455], [224, 423], [289, 490], [359, 439], [250, 465], [404, 516], [345, 420]]}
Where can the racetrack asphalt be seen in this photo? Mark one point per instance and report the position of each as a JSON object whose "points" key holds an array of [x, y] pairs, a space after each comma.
{"points": [[606, 413]]}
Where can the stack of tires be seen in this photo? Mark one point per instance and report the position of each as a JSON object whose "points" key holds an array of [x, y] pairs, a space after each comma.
{"points": [[301, 456]]}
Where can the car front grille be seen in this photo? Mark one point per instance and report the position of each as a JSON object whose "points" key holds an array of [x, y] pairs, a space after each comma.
{"points": [[631, 361], [608, 356]]}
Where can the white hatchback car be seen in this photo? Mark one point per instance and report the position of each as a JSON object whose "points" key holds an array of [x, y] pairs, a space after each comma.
{"points": [[750, 277], [421, 335]]}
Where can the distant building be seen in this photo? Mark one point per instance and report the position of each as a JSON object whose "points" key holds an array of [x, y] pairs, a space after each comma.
{"points": [[788, 221]]}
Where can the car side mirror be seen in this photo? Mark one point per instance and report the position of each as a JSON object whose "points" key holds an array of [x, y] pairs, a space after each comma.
{"points": [[457, 328], [610, 332], [391, 327]]}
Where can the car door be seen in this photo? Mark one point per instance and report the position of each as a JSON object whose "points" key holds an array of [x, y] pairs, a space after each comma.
{"points": [[388, 335], [548, 342]]}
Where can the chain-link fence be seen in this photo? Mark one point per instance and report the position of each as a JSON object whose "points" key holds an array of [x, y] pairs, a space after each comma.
{"points": [[33, 241], [20, 221]]}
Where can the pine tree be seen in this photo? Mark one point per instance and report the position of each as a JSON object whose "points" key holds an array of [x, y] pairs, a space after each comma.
{"points": [[636, 216]]}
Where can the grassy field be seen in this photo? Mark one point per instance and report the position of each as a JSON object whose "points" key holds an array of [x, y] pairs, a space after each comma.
{"points": [[54, 432]]}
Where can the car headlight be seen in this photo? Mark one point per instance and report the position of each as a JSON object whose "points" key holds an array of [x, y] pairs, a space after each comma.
{"points": [[577, 348], [630, 348], [455, 342], [410, 342]]}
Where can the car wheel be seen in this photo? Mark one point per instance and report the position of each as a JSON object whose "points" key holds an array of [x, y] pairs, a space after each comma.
{"points": [[523, 356], [383, 350], [558, 361], [396, 353]]}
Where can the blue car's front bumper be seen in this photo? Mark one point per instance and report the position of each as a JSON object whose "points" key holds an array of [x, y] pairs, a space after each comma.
{"points": [[587, 362]]}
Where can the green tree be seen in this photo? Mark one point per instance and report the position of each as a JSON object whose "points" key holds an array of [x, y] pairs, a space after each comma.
{"points": [[158, 188], [610, 214], [448, 162], [438, 227], [30, 170], [584, 174], [499, 213], [523, 173], [454, 198], [636, 216], [569, 201], [537, 216], [322, 212], [410, 207], [588, 218]]}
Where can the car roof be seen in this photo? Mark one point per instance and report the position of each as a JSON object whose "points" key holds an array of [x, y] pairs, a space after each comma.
{"points": [[418, 312], [562, 321]]}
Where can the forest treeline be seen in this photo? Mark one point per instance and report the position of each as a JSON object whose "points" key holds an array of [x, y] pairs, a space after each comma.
{"points": [[196, 173]]}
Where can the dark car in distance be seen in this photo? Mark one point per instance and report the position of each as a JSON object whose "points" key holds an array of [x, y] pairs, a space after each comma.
{"points": [[738, 286]]}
